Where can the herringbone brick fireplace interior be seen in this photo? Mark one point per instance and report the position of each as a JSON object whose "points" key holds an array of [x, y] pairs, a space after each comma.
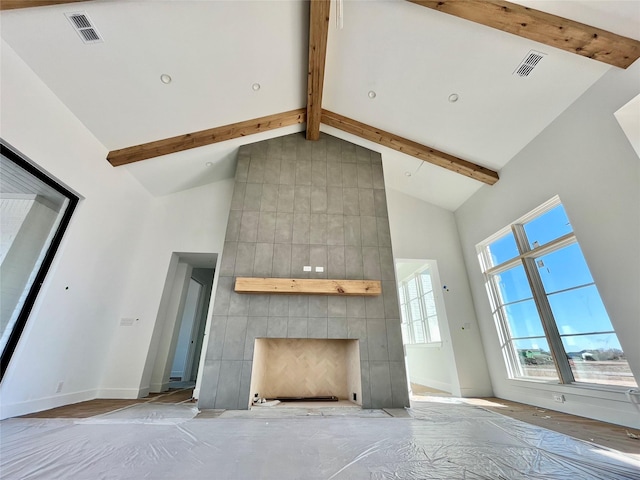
{"points": [[296, 367]]}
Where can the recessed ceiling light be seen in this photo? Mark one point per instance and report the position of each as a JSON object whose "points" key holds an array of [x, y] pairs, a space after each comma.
{"points": [[255, 87], [407, 174], [453, 98], [166, 79], [371, 94], [208, 164]]}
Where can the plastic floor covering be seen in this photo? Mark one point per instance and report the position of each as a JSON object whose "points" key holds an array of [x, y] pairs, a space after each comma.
{"points": [[437, 441]]}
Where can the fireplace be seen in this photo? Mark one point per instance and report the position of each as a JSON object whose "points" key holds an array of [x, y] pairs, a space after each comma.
{"points": [[304, 367], [312, 211]]}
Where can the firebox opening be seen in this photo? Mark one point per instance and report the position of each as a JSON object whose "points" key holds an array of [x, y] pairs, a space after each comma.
{"points": [[306, 370]]}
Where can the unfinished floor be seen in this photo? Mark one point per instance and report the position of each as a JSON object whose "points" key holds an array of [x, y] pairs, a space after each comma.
{"points": [[159, 438]]}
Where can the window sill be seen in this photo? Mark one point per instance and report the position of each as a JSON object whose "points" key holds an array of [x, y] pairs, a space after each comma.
{"points": [[610, 392]]}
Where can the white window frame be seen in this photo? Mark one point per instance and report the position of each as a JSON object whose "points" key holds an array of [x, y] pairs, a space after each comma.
{"points": [[526, 258], [408, 321]]}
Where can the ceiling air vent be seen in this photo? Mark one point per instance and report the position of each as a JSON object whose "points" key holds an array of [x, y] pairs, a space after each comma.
{"points": [[82, 25], [529, 63]]}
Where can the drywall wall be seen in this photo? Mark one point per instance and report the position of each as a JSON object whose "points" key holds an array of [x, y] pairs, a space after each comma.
{"points": [[420, 230], [429, 365], [190, 221], [585, 158], [63, 350], [112, 263]]}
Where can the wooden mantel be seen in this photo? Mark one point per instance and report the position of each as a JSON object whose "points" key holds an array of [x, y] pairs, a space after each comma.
{"points": [[308, 286]]}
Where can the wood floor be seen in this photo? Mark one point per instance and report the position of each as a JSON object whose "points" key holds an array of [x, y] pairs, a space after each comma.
{"points": [[599, 433], [99, 406]]}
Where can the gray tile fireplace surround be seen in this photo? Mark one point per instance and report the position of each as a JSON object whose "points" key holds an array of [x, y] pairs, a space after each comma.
{"points": [[298, 203]]}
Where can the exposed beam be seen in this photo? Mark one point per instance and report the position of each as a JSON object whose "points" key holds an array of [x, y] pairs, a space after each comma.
{"points": [[409, 147], [318, 33], [543, 27], [13, 4], [205, 137], [308, 286]]}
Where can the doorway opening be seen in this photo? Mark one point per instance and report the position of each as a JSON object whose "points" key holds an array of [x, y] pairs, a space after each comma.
{"points": [[427, 356], [182, 319], [192, 324]]}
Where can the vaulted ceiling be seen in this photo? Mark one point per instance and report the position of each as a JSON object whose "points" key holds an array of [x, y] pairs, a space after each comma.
{"points": [[392, 65]]}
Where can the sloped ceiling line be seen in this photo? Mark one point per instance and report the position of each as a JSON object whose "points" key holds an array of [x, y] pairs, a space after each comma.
{"points": [[410, 147], [543, 27], [205, 137], [525, 22], [14, 4], [318, 34]]}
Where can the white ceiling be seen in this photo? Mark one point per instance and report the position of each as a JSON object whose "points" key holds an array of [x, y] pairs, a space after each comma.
{"points": [[412, 57]]}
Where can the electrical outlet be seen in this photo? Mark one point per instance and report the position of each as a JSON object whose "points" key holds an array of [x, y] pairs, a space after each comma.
{"points": [[319, 269], [59, 388], [558, 398], [306, 268]]}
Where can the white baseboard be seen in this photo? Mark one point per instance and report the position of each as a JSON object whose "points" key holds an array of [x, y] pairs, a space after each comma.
{"points": [[159, 387], [125, 393], [46, 403], [196, 393]]}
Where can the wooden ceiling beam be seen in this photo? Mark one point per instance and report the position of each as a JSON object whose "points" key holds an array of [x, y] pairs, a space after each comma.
{"points": [[542, 27], [410, 147], [205, 137], [15, 4], [318, 34]]}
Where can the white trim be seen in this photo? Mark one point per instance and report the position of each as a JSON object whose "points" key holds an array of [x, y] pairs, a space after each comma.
{"points": [[123, 393], [46, 403]]}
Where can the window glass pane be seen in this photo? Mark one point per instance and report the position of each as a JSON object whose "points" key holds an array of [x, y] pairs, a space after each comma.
{"points": [[418, 332], [430, 304], [503, 249], [404, 314], [598, 359], [31, 210], [580, 311], [512, 285], [523, 319], [425, 279], [414, 308], [434, 329], [412, 288], [535, 358], [564, 268], [547, 227]]}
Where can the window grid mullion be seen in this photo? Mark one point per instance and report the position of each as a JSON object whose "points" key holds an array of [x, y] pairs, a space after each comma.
{"points": [[544, 308], [407, 309], [542, 305], [423, 310]]}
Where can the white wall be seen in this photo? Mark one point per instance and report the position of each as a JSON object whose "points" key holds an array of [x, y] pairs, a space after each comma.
{"points": [[67, 336], [114, 258], [585, 158], [420, 230], [191, 221], [429, 365]]}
